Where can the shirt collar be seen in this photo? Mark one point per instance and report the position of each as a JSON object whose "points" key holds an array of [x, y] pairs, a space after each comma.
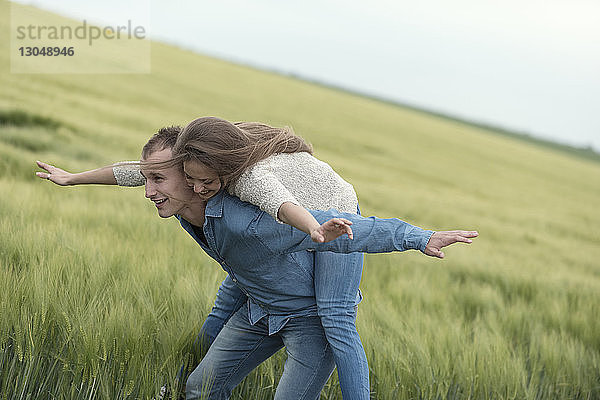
{"points": [[214, 206]]}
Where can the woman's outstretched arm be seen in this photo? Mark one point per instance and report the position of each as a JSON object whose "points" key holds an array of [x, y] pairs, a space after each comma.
{"points": [[122, 174], [101, 176]]}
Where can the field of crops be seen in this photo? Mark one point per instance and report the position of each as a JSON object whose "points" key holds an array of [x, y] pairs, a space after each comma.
{"points": [[100, 298]]}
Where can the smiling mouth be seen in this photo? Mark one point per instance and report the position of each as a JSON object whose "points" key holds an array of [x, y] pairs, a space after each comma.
{"points": [[159, 202]]}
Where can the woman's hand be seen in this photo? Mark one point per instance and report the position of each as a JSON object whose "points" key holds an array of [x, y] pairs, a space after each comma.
{"points": [[54, 174], [99, 176], [331, 230]]}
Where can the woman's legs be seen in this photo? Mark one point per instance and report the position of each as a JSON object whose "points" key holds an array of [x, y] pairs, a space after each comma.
{"points": [[337, 277]]}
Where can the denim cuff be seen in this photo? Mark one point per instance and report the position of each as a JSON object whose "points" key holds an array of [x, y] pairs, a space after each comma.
{"points": [[418, 238]]}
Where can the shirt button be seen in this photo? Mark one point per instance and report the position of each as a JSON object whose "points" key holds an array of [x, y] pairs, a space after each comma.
{"points": [[235, 280]]}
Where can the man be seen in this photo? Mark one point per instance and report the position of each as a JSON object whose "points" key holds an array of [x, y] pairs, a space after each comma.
{"points": [[270, 263]]}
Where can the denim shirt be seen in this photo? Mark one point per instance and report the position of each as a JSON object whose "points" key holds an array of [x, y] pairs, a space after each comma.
{"points": [[269, 261]]}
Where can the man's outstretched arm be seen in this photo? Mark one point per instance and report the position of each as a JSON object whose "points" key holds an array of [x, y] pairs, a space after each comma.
{"points": [[337, 226], [371, 235]]}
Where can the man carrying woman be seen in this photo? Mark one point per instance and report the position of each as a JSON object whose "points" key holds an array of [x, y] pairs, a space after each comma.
{"points": [[296, 298]]}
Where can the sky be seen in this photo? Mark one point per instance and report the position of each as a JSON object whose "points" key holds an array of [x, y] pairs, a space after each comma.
{"points": [[531, 66]]}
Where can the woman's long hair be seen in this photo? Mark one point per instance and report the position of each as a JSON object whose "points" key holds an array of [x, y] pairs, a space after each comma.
{"points": [[230, 148]]}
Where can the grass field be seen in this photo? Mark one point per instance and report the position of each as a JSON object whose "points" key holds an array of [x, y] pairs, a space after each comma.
{"points": [[99, 298]]}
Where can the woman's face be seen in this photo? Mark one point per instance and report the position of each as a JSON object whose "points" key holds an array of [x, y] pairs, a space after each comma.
{"points": [[205, 181]]}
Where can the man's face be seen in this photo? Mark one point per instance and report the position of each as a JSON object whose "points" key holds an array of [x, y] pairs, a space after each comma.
{"points": [[204, 181], [167, 187]]}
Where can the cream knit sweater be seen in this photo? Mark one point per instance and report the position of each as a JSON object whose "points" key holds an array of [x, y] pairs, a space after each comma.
{"points": [[299, 178]]}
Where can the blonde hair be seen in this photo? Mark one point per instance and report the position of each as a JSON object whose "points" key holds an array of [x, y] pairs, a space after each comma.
{"points": [[230, 148]]}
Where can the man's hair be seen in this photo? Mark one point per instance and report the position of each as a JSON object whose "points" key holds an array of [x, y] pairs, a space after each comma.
{"points": [[165, 138]]}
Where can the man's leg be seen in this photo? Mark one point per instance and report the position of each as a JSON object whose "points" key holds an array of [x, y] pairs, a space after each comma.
{"points": [[237, 350], [309, 361], [229, 299]]}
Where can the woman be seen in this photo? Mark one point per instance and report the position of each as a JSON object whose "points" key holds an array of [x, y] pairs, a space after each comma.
{"points": [[274, 169]]}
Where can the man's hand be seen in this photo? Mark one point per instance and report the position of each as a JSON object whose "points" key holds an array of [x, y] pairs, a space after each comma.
{"points": [[331, 230], [54, 174], [446, 238]]}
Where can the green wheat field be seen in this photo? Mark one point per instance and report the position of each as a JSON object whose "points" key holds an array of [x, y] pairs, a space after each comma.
{"points": [[101, 299]]}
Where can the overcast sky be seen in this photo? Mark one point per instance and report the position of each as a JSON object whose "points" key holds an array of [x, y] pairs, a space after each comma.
{"points": [[526, 65]]}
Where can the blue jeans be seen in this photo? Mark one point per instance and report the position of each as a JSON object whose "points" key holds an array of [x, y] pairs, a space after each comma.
{"points": [[240, 347], [337, 277], [229, 299]]}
